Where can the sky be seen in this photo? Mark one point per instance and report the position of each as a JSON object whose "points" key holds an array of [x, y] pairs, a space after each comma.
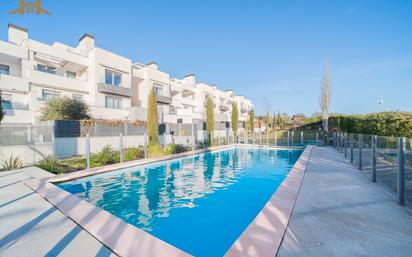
{"points": [[272, 52]]}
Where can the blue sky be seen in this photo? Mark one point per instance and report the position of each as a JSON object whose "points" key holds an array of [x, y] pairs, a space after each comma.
{"points": [[273, 52]]}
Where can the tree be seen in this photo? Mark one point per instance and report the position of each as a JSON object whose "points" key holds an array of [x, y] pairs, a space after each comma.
{"points": [[235, 118], [267, 122], [210, 119], [152, 119], [279, 121], [64, 108], [252, 120], [1, 110], [274, 121], [324, 100]]}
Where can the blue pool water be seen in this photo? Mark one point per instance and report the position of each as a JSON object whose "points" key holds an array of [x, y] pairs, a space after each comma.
{"points": [[199, 204]]}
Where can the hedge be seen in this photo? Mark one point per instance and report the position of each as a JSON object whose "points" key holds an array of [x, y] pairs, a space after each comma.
{"points": [[398, 124]]}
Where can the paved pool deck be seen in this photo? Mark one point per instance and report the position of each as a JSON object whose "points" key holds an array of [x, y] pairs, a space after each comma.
{"points": [[339, 212], [31, 226]]}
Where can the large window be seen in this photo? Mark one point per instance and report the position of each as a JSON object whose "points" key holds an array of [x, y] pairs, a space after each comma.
{"points": [[45, 68], [6, 101], [71, 74], [158, 89], [4, 69], [48, 94], [113, 102], [112, 78]]}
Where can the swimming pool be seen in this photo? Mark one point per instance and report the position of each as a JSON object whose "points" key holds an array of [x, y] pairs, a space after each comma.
{"points": [[200, 204]]}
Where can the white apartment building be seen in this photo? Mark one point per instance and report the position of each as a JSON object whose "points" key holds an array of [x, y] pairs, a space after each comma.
{"points": [[113, 86]]}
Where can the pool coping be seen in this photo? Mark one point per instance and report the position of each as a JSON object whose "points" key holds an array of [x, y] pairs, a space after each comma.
{"points": [[124, 239], [264, 234]]}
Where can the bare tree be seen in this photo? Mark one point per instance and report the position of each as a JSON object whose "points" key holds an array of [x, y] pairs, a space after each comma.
{"points": [[324, 100]]}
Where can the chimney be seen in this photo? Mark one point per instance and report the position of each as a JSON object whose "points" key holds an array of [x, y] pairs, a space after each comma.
{"points": [[17, 35], [153, 65], [86, 42], [190, 78]]}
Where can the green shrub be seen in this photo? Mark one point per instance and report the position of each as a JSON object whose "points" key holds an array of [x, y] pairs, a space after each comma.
{"points": [[51, 164], [174, 148], [133, 153], [106, 156], [64, 108], [383, 124], [11, 163]]}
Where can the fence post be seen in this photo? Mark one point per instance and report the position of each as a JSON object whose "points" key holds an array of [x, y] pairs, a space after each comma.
{"points": [[351, 147], [374, 141], [88, 151], [121, 146], [317, 138], [260, 136], [337, 141], [145, 145], [193, 138], [401, 171], [29, 134], [276, 139], [301, 138], [293, 136], [288, 138], [267, 136], [360, 145], [345, 141], [53, 141], [164, 139]]}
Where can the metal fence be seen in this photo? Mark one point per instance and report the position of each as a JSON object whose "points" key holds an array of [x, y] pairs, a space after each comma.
{"points": [[387, 160], [29, 142], [282, 138]]}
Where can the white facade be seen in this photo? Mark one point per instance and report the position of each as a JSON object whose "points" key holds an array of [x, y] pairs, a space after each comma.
{"points": [[32, 72]]}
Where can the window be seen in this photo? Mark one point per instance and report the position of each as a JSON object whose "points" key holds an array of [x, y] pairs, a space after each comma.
{"points": [[45, 68], [6, 101], [4, 69], [113, 102], [158, 89], [48, 94], [71, 74], [112, 78], [78, 97]]}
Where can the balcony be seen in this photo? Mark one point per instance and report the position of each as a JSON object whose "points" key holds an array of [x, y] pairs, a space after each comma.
{"points": [[58, 81], [163, 98], [67, 57], [14, 83], [243, 110], [188, 101], [114, 90], [13, 50], [223, 107]]}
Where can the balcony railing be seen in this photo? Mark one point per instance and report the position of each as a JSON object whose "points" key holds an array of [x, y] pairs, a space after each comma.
{"points": [[115, 90], [163, 97], [223, 107]]}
